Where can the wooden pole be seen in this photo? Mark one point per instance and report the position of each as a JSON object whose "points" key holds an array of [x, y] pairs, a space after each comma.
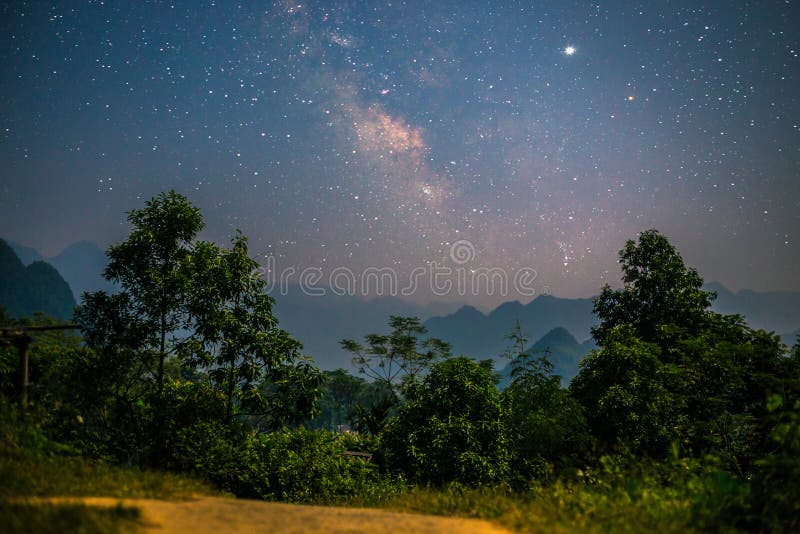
{"points": [[22, 342], [21, 339]]}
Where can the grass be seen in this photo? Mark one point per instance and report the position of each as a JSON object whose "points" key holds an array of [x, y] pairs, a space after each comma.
{"points": [[552, 509], [25, 475], [616, 498], [28, 475], [24, 517]]}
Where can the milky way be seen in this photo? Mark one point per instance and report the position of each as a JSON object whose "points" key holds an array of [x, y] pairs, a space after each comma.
{"points": [[364, 134]]}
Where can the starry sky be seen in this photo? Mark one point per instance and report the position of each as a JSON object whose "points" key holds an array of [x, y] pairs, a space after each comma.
{"points": [[542, 134]]}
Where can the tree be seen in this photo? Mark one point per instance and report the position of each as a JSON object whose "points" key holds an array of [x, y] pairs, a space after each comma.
{"points": [[341, 393], [451, 427], [546, 427], [196, 307], [657, 289], [148, 267], [776, 481], [399, 356], [236, 339], [528, 368], [345, 390], [671, 372], [727, 372], [110, 380], [373, 409], [625, 390]]}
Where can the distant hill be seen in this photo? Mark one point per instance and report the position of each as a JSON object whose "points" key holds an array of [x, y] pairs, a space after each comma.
{"points": [[25, 290], [82, 264], [26, 255], [565, 353], [790, 338], [778, 311], [321, 322], [483, 336]]}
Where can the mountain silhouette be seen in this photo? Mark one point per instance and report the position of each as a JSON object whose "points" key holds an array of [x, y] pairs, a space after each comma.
{"points": [[777, 311], [561, 349], [38, 287], [484, 336], [321, 322], [26, 255], [82, 264]]}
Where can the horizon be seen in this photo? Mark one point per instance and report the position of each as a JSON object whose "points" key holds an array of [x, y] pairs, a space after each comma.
{"points": [[449, 305]]}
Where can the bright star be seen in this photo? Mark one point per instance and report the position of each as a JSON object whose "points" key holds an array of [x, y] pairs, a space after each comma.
{"points": [[570, 50]]}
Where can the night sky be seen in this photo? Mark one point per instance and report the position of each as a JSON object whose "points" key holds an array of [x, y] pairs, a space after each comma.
{"points": [[357, 134]]}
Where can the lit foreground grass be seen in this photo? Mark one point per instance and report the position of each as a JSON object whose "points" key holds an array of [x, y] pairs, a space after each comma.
{"points": [[553, 509], [43, 517], [26, 478], [618, 496], [626, 502]]}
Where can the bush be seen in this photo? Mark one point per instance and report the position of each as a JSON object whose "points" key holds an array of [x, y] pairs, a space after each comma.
{"points": [[777, 480], [451, 427], [300, 465]]}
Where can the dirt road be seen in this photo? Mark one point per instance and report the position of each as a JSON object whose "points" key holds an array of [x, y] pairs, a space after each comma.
{"points": [[212, 515]]}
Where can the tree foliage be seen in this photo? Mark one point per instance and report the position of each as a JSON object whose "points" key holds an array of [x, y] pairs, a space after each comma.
{"points": [[670, 372], [626, 391], [149, 267], [195, 308], [451, 427], [236, 339], [657, 289], [682, 416], [398, 357], [545, 426]]}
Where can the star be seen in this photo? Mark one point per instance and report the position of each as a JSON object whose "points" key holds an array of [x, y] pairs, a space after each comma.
{"points": [[512, 142]]}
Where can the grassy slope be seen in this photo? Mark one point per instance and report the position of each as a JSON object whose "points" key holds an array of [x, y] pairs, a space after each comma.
{"points": [[24, 475]]}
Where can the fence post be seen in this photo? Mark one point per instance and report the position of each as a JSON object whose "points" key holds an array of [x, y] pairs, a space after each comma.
{"points": [[22, 343]]}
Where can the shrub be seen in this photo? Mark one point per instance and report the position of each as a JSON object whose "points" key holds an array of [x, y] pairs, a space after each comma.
{"points": [[451, 427], [777, 480], [300, 465]]}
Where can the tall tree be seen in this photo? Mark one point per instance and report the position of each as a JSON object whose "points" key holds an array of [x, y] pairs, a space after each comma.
{"points": [[194, 305], [658, 289], [671, 371], [528, 368], [148, 268], [545, 425], [625, 389], [237, 340], [341, 393]]}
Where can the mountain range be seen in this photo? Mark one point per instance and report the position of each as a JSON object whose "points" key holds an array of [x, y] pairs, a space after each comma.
{"points": [[320, 322], [81, 264], [36, 287], [483, 336], [561, 349]]}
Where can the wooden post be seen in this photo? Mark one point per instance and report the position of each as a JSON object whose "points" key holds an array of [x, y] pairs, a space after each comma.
{"points": [[20, 337], [22, 343]]}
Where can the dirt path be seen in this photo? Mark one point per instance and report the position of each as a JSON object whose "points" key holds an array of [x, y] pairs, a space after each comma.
{"points": [[212, 514]]}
